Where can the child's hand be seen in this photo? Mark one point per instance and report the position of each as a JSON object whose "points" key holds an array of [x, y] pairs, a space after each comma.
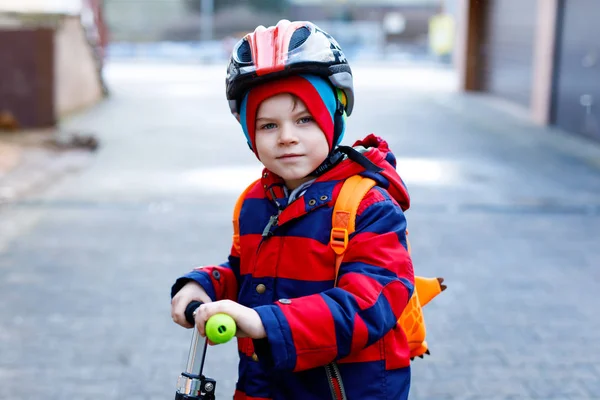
{"points": [[247, 320], [189, 292]]}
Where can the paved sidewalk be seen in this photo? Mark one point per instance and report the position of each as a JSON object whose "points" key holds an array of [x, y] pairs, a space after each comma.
{"points": [[9, 157], [31, 161]]}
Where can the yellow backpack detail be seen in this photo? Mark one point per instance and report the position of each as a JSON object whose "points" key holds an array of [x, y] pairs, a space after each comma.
{"points": [[343, 221]]}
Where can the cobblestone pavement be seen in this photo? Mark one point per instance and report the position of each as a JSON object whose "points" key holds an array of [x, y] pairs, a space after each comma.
{"points": [[507, 212]]}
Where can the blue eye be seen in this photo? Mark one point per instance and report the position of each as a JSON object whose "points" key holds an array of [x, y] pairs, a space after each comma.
{"points": [[268, 126], [305, 120]]}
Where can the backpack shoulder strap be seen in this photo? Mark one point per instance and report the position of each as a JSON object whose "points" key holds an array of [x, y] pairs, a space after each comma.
{"points": [[236, 216], [343, 219]]}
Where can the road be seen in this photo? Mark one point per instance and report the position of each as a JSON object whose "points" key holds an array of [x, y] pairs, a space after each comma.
{"points": [[507, 212]]}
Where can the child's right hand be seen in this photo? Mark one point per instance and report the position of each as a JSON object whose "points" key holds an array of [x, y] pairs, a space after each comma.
{"points": [[189, 292]]}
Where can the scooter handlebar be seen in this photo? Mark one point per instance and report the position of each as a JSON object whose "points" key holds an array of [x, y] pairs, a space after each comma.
{"points": [[189, 311], [220, 328]]}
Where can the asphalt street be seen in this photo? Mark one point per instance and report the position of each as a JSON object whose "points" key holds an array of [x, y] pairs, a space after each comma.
{"points": [[507, 212]]}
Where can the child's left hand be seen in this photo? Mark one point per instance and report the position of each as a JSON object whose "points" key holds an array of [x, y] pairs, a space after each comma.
{"points": [[247, 320]]}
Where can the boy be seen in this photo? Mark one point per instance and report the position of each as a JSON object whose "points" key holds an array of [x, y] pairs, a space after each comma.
{"points": [[302, 333]]}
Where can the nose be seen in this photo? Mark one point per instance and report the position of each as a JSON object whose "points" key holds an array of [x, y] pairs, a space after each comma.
{"points": [[287, 135]]}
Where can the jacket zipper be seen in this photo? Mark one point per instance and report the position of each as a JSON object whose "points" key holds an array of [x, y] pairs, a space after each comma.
{"points": [[272, 224], [335, 382], [268, 231], [273, 220]]}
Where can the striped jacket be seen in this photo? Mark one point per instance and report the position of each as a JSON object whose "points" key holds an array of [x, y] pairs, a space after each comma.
{"points": [[323, 341]]}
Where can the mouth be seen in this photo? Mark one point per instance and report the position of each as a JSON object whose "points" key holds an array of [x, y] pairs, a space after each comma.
{"points": [[288, 156]]}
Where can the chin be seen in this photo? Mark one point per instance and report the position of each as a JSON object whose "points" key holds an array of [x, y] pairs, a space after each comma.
{"points": [[295, 177], [293, 173]]}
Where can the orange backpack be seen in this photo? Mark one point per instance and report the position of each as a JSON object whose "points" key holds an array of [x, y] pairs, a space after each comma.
{"points": [[353, 191]]}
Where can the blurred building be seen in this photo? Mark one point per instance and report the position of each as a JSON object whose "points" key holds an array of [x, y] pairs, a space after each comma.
{"points": [[181, 20], [365, 28], [541, 55], [51, 62], [403, 23]]}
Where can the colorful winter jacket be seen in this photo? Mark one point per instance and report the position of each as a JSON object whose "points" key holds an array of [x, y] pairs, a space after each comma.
{"points": [[323, 341]]}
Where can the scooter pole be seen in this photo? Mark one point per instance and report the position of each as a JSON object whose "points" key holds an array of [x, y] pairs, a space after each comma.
{"points": [[192, 385]]}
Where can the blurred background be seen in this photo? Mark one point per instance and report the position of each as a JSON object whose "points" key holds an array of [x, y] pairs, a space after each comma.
{"points": [[120, 165]]}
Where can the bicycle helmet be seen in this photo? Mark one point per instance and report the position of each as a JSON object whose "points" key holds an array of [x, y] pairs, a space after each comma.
{"points": [[289, 48]]}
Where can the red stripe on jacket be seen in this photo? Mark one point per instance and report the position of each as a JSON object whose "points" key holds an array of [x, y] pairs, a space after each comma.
{"points": [[242, 396], [225, 285], [303, 314], [385, 251]]}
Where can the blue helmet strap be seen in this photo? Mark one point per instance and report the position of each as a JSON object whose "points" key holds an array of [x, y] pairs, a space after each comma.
{"points": [[335, 156]]}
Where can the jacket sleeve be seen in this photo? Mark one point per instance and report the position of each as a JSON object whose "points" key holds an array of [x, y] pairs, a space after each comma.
{"points": [[219, 281], [376, 281]]}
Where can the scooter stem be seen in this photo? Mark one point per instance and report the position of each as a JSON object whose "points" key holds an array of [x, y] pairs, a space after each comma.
{"points": [[192, 385], [195, 363]]}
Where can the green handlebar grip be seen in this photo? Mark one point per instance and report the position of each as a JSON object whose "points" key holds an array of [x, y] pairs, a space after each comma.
{"points": [[220, 328]]}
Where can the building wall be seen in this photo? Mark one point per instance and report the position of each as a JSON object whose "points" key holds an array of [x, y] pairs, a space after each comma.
{"points": [[563, 87], [523, 77], [76, 79], [577, 83], [506, 49], [49, 70], [26, 76]]}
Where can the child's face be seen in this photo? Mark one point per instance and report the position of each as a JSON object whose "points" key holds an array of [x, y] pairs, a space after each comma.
{"points": [[288, 141]]}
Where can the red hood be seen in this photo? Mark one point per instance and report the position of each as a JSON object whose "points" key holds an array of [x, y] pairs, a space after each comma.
{"points": [[377, 151]]}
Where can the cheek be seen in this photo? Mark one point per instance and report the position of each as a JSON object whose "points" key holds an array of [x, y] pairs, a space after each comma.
{"points": [[320, 145], [262, 145]]}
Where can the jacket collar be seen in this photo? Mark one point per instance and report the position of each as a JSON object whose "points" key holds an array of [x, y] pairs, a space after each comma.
{"points": [[318, 194]]}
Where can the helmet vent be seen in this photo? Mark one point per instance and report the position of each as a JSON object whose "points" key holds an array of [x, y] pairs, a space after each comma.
{"points": [[243, 52], [299, 37]]}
